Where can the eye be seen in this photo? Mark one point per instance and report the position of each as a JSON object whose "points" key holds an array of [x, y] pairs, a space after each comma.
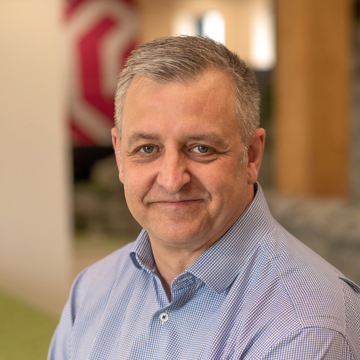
{"points": [[147, 149], [200, 149]]}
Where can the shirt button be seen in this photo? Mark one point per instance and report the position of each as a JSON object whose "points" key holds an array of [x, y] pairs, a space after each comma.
{"points": [[164, 317]]}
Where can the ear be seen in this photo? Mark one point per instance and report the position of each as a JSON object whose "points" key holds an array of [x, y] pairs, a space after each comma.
{"points": [[116, 144], [255, 153]]}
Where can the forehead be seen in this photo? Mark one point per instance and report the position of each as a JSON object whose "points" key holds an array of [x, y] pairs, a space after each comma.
{"points": [[207, 100]]}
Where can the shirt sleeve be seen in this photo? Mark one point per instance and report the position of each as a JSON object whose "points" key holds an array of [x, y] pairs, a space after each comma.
{"points": [[60, 343], [311, 344], [60, 347]]}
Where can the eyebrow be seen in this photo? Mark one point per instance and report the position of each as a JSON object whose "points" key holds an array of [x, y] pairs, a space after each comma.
{"points": [[210, 136], [134, 137]]}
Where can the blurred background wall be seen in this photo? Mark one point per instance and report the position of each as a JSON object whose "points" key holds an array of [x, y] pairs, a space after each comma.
{"points": [[34, 193], [58, 65]]}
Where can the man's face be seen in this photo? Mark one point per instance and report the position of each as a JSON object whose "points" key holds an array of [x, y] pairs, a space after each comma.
{"points": [[180, 160]]}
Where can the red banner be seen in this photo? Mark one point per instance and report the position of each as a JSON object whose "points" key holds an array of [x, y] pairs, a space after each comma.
{"points": [[100, 36]]}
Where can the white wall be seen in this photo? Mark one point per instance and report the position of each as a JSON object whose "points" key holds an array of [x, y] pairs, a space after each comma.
{"points": [[34, 179]]}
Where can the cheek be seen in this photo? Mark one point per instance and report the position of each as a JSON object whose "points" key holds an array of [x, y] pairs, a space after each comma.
{"points": [[227, 184], [137, 182], [133, 200], [214, 181], [121, 175], [132, 188]]}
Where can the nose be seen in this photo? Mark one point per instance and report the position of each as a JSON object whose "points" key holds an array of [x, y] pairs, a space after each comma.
{"points": [[173, 173]]}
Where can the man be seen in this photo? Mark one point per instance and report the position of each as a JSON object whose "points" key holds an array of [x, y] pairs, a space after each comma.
{"points": [[212, 275]]}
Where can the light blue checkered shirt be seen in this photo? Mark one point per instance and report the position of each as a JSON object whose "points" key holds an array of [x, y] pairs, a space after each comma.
{"points": [[257, 293]]}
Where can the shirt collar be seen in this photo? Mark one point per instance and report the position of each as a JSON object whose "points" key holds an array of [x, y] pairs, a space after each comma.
{"points": [[142, 255], [220, 264]]}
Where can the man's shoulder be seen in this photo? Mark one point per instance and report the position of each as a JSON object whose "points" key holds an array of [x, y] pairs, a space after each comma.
{"points": [[119, 254], [285, 289], [318, 292], [113, 260], [106, 270]]}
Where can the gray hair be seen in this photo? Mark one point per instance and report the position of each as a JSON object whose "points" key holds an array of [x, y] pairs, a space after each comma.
{"points": [[184, 58]]}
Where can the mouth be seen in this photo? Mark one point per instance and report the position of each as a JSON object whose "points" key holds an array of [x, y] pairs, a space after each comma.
{"points": [[175, 203]]}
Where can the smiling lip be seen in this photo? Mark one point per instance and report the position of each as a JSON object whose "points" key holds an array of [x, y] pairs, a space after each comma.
{"points": [[176, 203]]}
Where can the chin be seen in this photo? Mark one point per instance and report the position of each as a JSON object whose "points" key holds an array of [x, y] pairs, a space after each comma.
{"points": [[175, 237]]}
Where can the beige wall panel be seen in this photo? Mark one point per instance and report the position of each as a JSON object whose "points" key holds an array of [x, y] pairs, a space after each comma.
{"points": [[34, 192], [156, 19], [237, 29]]}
